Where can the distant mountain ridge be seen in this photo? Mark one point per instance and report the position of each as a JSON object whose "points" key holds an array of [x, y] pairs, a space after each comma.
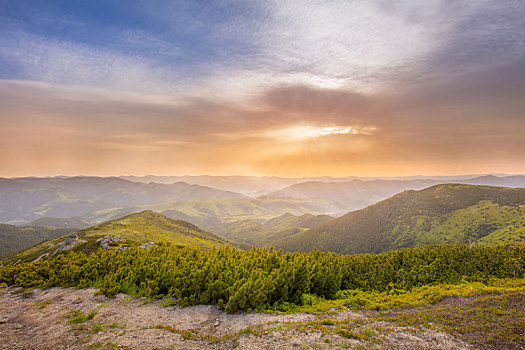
{"points": [[447, 213], [32, 198], [353, 194], [264, 185], [209, 213], [358, 194], [98, 199]]}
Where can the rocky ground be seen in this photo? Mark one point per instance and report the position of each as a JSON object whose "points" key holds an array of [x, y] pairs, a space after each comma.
{"points": [[78, 319]]}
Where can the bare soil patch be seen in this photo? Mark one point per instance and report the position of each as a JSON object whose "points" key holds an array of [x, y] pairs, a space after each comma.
{"points": [[59, 318]]}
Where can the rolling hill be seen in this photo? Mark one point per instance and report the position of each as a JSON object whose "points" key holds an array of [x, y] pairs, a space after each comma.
{"points": [[448, 213], [134, 229], [149, 226]]}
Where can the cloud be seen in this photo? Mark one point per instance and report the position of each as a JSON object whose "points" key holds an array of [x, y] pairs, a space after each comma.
{"points": [[366, 88], [222, 52]]}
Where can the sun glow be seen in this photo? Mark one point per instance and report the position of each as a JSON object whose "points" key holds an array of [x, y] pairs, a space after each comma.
{"points": [[304, 132]]}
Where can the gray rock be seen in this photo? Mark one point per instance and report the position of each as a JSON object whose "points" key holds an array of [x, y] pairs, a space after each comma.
{"points": [[146, 245], [105, 241], [69, 243], [45, 255]]}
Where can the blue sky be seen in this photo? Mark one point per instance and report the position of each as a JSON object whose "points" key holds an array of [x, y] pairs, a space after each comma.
{"points": [[175, 35], [262, 87]]}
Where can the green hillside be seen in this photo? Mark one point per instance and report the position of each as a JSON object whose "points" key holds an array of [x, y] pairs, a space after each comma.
{"points": [[133, 229], [449, 213], [149, 226]]}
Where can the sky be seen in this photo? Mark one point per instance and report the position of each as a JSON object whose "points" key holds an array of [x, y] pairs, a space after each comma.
{"points": [[262, 87]]}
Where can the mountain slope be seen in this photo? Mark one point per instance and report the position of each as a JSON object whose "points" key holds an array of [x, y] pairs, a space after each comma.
{"points": [[449, 213], [133, 229], [32, 198], [151, 226], [13, 238]]}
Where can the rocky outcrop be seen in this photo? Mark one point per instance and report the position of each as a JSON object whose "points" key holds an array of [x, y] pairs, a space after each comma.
{"points": [[146, 245], [105, 241], [45, 255], [69, 243]]}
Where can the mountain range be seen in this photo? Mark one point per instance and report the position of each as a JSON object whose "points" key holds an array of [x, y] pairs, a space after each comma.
{"points": [[23, 200], [27, 199], [447, 213], [440, 214], [358, 194], [254, 186]]}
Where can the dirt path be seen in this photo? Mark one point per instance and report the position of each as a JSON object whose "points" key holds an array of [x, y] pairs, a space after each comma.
{"points": [[60, 319]]}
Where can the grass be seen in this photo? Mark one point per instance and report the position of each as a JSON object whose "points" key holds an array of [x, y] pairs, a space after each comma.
{"points": [[347, 328], [97, 327], [94, 346], [197, 335], [78, 316], [107, 346], [340, 330], [42, 304], [490, 321], [427, 295], [149, 226], [101, 326], [167, 302]]}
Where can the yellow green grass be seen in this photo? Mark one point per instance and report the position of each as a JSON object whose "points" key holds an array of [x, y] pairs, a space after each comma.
{"points": [[395, 298]]}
